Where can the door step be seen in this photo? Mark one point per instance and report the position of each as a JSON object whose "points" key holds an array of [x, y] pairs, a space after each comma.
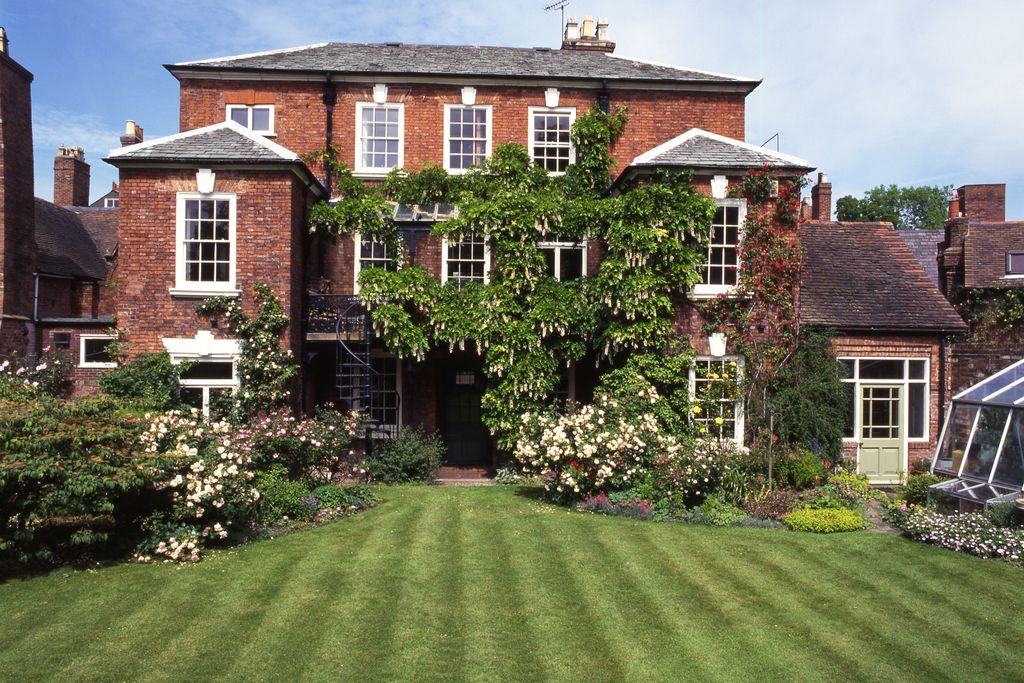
{"points": [[462, 475]]}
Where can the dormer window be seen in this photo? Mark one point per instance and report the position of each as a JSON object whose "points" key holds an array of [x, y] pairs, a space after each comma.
{"points": [[1015, 264], [258, 118]]}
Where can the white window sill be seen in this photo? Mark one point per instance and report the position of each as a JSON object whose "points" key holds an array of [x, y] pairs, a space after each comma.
{"points": [[201, 293], [97, 365], [372, 174], [699, 292], [1014, 276]]}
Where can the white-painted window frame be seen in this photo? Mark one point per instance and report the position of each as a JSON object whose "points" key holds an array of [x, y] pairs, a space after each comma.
{"points": [[357, 266], [738, 407], [857, 382], [248, 120], [359, 166], [532, 144], [558, 246], [111, 202], [444, 262], [708, 291], [82, 363], [185, 287], [205, 385], [489, 122]]}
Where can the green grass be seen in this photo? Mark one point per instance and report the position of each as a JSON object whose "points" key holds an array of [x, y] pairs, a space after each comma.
{"points": [[488, 584]]}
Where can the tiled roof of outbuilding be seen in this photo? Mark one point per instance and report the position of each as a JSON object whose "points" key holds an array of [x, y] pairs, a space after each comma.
{"points": [[102, 225], [225, 142], [698, 148], [862, 276], [924, 244], [985, 250], [64, 245], [459, 60]]}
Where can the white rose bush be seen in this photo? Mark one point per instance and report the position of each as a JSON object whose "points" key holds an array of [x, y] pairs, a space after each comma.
{"points": [[208, 486]]}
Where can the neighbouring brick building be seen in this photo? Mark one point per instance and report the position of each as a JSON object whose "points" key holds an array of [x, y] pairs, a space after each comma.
{"points": [[222, 205]]}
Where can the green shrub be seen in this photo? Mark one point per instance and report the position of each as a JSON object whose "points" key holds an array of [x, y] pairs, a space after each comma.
{"points": [[915, 490], [281, 499], [151, 382], [508, 476], [1003, 514], [409, 457], [825, 520], [333, 496], [801, 469], [715, 511]]}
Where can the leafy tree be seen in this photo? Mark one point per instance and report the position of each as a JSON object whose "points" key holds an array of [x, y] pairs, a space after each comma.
{"points": [[908, 208]]}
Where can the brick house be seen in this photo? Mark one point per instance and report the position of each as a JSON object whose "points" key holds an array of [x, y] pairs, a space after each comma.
{"points": [[222, 205]]}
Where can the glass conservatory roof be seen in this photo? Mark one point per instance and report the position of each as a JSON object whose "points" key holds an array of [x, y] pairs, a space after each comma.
{"points": [[982, 441]]}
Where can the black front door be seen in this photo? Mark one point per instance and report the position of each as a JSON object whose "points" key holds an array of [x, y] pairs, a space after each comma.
{"points": [[465, 435]]}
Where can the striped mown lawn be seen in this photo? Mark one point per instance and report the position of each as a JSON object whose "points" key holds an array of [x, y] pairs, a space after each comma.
{"points": [[490, 584]]}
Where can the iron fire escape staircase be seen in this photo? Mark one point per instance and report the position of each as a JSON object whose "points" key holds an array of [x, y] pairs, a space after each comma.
{"points": [[360, 387]]}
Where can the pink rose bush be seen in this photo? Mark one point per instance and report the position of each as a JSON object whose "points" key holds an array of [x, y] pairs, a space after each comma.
{"points": [[47, 373]]}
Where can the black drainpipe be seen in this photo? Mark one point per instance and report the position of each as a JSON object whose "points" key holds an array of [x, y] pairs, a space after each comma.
{"points": [[604, 102], [330, 98]]}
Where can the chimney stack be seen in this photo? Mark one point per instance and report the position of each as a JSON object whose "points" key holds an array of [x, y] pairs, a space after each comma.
{"points": [[589, 36], [132, 133], [5, 43], [821, 199], [983, 203], [70, 177]]}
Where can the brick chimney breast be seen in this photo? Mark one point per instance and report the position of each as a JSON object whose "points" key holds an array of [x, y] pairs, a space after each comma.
{"points": [[70, 177], [821, 199], [983, 203], [588, 36]]}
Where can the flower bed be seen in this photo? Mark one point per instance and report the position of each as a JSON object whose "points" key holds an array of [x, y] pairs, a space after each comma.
{"points": [[973, 533]]}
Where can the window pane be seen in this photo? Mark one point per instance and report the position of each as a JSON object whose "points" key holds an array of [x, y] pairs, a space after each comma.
{"points": [[851, 407], [954, 443], [1015, 262], [917, 369], [62, 340], [96, 351], [982, 453], [208, 370], [918, 410], [1010, 470], [240, 115], [881, 369], [572, 264], [261, 119]]}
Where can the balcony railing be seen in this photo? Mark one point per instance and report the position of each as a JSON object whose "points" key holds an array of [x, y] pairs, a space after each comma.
{"points": [[336, 313]]}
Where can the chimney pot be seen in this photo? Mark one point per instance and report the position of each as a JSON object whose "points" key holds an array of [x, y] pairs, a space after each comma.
{"points": [[132, 133], [4, 41], [589, 36]]}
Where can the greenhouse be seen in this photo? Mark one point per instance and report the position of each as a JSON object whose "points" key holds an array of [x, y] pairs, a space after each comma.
{"points": [[982, 441]]}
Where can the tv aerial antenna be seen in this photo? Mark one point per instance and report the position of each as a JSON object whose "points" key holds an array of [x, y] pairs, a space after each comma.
{"points": [[560, 6]]}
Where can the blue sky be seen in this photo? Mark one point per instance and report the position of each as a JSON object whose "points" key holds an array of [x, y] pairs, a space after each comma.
{"points": [[874, 91]]}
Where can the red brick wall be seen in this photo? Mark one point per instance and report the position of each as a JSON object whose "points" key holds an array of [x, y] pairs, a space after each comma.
{"points": [[17, 209], [300, 116], [885, 346], [83, 380], [268, 221], [973, 362]]}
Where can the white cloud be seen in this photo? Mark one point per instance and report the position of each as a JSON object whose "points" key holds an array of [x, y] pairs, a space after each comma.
{"points": [[52, 128]]}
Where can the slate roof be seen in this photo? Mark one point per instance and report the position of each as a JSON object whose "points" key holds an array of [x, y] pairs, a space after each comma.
{"points": [[225, 142], [863, 277], [458, 60], [64, 245], [924, 245], [698, 148], [985, 250]]}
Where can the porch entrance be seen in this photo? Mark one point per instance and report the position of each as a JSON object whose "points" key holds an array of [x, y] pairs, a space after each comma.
{"points": [[467, 440], [881, 455]]}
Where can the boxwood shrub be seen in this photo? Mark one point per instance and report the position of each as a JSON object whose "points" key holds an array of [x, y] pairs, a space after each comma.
{"points": [[825, 520]]}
